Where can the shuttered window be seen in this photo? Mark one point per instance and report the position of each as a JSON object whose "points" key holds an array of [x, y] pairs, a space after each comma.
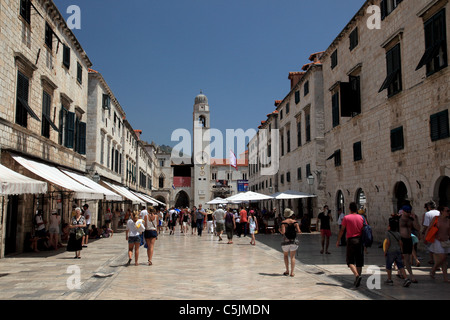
{"points": [[357, 151], [48, 36], [69, 130], [25, 10], [66, 56], [334, 59], [354, 40], [397, 141], [393, 81], [335, 109], [439, 126], [22, 98], [435, 57], [46, 104], [81, 138], [23, 109], [79, 73]]}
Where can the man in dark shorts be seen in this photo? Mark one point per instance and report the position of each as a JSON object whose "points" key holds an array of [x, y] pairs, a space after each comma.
{"points": [[353, 224], [325, 228]]}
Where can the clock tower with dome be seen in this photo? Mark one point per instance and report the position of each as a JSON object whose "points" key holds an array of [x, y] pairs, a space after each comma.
{"points": [[201, 153]]}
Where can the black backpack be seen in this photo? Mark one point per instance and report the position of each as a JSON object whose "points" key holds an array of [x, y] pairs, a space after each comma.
{"points": [[290, 231]]}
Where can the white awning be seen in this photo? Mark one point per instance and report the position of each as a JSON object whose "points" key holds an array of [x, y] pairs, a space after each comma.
{"points": [[13, 183], [109, 195], [57, 177], [146, 198], [125, 193]]}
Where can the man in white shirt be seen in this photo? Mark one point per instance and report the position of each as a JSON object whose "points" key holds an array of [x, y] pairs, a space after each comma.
{"points": [[427, 218], [219, 218]]}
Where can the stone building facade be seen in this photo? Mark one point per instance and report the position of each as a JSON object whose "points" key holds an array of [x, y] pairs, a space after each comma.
{"points": [[383, 91], [59, 113], [382, 124], [43, 108]]}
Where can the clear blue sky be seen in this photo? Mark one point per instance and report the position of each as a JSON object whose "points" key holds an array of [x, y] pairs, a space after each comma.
{"points": [[157, 55]]}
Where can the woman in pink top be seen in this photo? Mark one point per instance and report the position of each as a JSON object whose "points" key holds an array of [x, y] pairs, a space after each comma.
{"points": [[353, 223]]}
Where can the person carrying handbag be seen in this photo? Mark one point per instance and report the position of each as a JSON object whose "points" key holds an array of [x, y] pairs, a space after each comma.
{"points": [[76, 227]]}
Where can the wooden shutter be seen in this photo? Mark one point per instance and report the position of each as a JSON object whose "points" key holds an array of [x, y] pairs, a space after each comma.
{"points": [[335, 109], [22, 97], [439, 126], [69, 130], [66, 56], [82, 138]]}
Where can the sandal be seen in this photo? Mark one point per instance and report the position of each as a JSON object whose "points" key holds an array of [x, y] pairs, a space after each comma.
{"points": [[150, 263], [286, 273]]}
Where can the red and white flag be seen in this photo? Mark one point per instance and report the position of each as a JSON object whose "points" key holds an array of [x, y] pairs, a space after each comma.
{"points": [[233, 160]]}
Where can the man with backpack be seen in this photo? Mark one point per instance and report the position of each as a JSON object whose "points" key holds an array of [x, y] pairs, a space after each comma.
{"points": [[353, 225]]}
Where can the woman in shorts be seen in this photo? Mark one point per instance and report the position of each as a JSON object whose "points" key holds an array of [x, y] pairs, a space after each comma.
{"points": [[151, 233], [289, 229], [135, 227]]}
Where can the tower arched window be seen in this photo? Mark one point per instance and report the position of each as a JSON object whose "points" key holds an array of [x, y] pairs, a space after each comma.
{"points": [[202, 121], [161, 181]]}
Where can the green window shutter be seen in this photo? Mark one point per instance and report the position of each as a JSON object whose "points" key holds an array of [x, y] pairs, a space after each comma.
{"points": [[82, 138], [69, 130], [66, 56]]}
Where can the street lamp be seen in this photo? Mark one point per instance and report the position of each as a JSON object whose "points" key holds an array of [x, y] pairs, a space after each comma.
{"points": [[310, 180], [96, 177]]}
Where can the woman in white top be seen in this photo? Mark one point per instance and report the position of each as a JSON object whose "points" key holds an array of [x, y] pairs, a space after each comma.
{"points": [[135, 227], [151, 233]]}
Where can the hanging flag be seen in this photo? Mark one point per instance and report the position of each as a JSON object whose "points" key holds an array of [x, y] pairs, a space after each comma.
{"points": [[233, 160]]}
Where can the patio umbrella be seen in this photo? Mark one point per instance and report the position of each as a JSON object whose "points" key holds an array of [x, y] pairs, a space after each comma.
{"points": [[218, 201], [248, 197], [291, 194]]}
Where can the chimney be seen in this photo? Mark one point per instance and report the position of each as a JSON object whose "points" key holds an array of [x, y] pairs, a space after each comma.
{"points": [[295, 77], [138, 133]]}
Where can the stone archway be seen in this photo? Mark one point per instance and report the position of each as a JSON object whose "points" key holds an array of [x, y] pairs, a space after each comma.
{"points": [[182, 200], [443, 189], [400, 195]]}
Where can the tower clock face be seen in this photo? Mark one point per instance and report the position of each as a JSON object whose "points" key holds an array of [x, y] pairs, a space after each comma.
{"points": [[202, 158]]}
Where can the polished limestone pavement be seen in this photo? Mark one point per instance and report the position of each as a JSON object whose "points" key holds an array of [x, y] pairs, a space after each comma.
{"points": [[190, 267]]}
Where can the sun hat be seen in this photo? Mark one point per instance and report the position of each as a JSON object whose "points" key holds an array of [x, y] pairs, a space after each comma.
{"points": [[288, 213]]}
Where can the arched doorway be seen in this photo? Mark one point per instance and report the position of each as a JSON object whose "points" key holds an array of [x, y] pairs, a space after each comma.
{"points": [[444, 192], [182, 200], [401, 195], [161, 199]]}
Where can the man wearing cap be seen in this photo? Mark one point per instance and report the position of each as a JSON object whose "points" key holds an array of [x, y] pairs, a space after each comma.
{"points": [[408, 221], [219, 218]]}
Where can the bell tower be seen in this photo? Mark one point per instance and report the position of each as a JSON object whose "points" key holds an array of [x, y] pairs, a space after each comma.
{"points": [[201, 151]]}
